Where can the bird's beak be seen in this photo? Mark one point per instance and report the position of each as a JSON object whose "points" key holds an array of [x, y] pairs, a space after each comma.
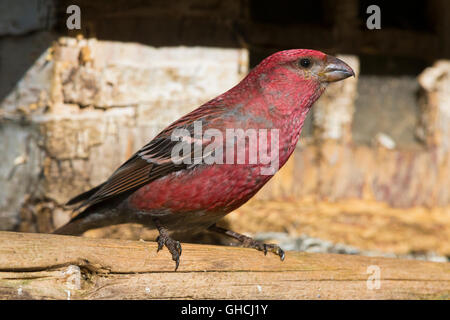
{"points": [[336, 70]]}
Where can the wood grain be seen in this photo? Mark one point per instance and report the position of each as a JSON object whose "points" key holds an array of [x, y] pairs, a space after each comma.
{"points": [[43, 266]]}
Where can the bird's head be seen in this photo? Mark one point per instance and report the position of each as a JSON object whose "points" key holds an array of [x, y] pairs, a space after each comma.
{"points": [[307, 64], [297, 77]]}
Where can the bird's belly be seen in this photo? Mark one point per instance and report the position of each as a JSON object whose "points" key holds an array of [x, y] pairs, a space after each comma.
{"points": [[199, 196]]}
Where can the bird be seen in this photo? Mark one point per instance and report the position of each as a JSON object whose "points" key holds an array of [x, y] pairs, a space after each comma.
{"points": [[195, 172]]}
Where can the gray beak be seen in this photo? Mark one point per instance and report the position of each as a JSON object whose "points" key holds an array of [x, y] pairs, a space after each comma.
{"points": [[336, 70]]}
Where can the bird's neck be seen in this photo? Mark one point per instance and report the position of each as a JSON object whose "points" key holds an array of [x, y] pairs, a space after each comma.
{"points": [[287, 98], [279, 99]]}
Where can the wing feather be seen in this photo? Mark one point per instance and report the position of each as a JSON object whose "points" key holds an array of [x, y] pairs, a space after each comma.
{"points": [[151, 162]]}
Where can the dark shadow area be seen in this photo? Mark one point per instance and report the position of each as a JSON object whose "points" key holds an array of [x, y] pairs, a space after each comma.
{"points": [[27, 29], [411, 15], [389, 65], [289, 12]]}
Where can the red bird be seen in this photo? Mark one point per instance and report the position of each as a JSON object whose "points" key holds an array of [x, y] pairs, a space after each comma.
{"points": [[184, 180]]}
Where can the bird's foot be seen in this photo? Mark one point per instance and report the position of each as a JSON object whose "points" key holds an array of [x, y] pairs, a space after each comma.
{"points": [[248, 242], [172, 245], [264, 247]]}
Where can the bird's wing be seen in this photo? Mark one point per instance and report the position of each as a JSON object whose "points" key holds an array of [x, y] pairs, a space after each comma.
{"points": [[151, 162]]}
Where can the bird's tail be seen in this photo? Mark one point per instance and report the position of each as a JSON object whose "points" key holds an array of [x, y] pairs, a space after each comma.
{"points": [[82, 222], [86, 220], [74, 228]]}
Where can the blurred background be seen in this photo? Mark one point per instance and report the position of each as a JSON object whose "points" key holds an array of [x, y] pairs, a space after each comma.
{"points": [[370, 175]]}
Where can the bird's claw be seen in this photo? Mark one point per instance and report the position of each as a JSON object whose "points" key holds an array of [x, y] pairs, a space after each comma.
{"points": [[173, 246], [274, 249], [264, 247], [248, 242], [160, 243]]}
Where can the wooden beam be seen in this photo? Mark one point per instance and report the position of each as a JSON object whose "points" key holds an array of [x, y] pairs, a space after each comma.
{"points": [[42, 266]]}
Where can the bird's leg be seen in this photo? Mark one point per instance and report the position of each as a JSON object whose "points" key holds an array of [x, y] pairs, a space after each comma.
{"points": [[248, 242], [172, 245]]}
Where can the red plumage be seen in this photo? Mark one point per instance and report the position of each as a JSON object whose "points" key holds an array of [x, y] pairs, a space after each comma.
{"points": [[153, 190]]}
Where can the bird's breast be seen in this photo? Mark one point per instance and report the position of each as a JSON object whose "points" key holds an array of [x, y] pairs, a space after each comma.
{"points": [[220, 188]]}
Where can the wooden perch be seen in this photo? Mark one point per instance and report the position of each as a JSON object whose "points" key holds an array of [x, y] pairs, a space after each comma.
{"points": [[43, 266]]}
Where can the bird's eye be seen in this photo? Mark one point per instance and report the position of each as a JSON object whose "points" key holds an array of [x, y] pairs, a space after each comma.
{"points": [[305, 63]]}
